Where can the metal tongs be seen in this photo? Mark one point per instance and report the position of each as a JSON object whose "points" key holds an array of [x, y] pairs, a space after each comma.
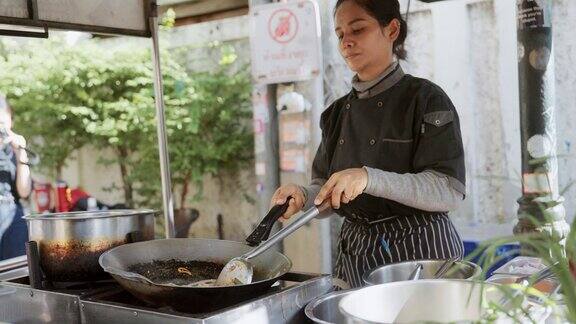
{"points": [[239, 270], [447, 265]]}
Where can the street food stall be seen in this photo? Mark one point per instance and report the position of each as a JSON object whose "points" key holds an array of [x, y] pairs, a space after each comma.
{"points": [[106, 267]]}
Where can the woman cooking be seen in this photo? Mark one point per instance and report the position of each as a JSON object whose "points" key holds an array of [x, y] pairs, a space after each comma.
{"points": [[391, 159]]}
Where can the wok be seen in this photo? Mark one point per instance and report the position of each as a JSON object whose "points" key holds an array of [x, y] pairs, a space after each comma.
{"points": [[268, 268]]}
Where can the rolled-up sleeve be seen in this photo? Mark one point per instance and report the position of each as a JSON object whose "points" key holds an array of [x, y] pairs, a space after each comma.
{"points": [[439, 147]]}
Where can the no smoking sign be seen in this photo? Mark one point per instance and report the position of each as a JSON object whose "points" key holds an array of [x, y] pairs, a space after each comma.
{"points": [[285, 42]]}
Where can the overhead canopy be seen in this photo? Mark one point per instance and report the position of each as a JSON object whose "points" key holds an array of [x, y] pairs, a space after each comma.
{"points": [[116, 17]]}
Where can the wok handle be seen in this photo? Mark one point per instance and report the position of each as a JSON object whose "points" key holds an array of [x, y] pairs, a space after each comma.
{"points": [[262, 231], [34, 271], [134, 236]]}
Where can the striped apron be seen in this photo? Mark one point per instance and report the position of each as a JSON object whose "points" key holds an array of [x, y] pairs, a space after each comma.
{"points": [[368, 245]]}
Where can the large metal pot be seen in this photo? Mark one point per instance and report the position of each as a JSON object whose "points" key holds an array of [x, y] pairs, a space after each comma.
{"points": [[440, 301], [69, 244], [324, 309], [401, 271]]}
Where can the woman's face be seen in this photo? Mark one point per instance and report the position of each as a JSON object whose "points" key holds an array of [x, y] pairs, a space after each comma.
{"points": [[363, 43]]}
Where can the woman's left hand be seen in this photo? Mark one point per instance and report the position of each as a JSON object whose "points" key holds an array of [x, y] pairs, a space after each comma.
{"points": [[343, 186], [17, 141]]}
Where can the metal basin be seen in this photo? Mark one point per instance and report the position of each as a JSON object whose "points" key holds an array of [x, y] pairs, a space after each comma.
{"points": [[401, 271], [439, 301], [69, 244], [325, 310]]}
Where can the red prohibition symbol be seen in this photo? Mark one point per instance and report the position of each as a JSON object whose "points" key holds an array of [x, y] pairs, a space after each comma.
{"points": [[283, 26]]}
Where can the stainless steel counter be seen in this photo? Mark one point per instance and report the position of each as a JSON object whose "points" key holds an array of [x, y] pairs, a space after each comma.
{"points": [[108, 303]]}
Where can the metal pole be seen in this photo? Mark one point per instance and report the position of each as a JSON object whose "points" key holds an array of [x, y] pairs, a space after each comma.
{"points": [[267, 160], [541, 207], [167, 200]]}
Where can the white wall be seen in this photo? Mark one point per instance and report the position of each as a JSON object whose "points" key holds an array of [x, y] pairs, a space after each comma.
{"points": [[476, 63]]}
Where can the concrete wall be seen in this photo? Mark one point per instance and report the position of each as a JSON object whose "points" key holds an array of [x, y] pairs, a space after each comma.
{"points": [[475, 51], [84, 171]]}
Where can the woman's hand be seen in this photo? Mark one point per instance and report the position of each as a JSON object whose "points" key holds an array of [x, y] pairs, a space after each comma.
{"points": [[343, 187], [18, 143], [23, 180], [296, 203]]}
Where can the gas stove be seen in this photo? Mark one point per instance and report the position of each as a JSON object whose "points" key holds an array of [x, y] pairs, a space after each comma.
{"points": [[107, 302]]}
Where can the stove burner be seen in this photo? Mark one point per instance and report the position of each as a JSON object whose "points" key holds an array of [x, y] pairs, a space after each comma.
{"points": [[106, 302]]}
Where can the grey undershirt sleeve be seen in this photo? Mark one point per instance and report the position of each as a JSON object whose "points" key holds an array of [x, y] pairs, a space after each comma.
{"points": [[426, 190], [311, 191]]}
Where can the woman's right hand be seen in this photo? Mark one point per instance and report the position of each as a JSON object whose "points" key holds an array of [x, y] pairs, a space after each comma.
{"points": [[296, 203]]}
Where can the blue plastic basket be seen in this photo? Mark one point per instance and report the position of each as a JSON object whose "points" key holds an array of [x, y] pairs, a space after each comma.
{"points": [[505, 253]]}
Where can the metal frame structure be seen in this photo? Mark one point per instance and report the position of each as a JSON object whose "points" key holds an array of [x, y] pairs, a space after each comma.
{"points": [[150, 14]]}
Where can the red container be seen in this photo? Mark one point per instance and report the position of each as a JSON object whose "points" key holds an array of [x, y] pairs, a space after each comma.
{"points": [[63, 197], [43, 196]]}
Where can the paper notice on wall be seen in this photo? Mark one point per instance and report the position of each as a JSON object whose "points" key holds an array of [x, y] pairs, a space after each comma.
{"points": [[260, 169], [258, 126], [537, 183], [260, 103], [261, 113], [259, 144], [294, 132], [534, 14], [293, 160]]}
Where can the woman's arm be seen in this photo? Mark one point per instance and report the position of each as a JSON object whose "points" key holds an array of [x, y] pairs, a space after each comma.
{"points": [[427, 190], [23, 179]]}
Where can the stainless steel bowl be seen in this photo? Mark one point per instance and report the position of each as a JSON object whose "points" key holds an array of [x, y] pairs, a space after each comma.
{"points": [[324, 309], [439, 301], [401, 271], [70, 244]]}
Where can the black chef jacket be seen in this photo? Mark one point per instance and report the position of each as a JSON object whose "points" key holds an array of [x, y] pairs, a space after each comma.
{"points": [[409, 128]]}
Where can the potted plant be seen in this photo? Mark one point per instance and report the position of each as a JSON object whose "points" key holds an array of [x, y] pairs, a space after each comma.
{"points": [[552, 252]]}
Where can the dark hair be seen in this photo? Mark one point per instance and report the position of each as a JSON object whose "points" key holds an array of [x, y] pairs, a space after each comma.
{"points": [[384, 11]]}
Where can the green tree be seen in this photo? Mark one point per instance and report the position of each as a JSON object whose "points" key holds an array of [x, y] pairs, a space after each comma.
{"points": [[66, 97], [43, 84], [208, 135], [123, 103]]}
